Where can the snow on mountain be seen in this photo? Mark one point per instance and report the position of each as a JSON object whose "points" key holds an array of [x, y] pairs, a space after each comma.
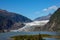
{"points": [[32, 25], [47, 17]]}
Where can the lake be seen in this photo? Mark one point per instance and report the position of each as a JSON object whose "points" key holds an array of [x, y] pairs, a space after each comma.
{"points": [[4, 36]]}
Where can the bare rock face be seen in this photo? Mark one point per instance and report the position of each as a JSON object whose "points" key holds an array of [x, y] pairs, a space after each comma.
{"points": [[10, 20], [54, 23]]}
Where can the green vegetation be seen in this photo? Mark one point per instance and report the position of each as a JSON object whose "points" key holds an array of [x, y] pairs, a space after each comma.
{"points": [[34, 37], [30, 37]]}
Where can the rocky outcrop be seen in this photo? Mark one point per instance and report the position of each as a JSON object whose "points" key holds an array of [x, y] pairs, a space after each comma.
{"points": [[54, 23], [10, 20]]}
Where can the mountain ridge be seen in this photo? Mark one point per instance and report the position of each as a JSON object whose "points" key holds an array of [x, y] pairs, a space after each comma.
{"points": [[47, 17], [9, 19], [54, 23]]}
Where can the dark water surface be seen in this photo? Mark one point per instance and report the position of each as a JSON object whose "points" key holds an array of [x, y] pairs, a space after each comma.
{"points": [[4, 36]]}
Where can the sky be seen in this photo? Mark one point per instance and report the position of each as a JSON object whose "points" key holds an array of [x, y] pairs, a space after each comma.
{"points": [[30, 8]]}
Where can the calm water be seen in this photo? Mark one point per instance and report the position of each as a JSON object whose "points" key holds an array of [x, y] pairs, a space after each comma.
{"points": [[4, 36]]}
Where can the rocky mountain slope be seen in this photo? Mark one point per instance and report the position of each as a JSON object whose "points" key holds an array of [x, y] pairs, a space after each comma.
{"points": [[43, 18], [10, 20], [54, 23]]}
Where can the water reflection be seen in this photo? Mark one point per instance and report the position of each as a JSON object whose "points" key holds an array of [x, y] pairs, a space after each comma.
{"points": [[4, 36], [51, 39]]}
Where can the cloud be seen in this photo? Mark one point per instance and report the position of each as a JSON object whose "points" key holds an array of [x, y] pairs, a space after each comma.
{"points": [[37, 12], [50, 8], [47, 9]]}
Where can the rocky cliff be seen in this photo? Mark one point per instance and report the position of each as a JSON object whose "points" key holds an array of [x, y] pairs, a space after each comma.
{"points": [[54, 23]]}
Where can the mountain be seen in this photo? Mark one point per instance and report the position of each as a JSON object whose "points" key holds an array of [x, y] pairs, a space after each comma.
{"points": [[33, 26], [10, 20], [54, 23], [43, 18]]}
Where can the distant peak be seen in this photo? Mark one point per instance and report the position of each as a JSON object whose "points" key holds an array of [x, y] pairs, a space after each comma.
{"points": [[49, 14], [58, 9], [2, 10]]}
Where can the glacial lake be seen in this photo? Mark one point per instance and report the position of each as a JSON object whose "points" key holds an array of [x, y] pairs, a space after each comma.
{"points": [[5, 36]]}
